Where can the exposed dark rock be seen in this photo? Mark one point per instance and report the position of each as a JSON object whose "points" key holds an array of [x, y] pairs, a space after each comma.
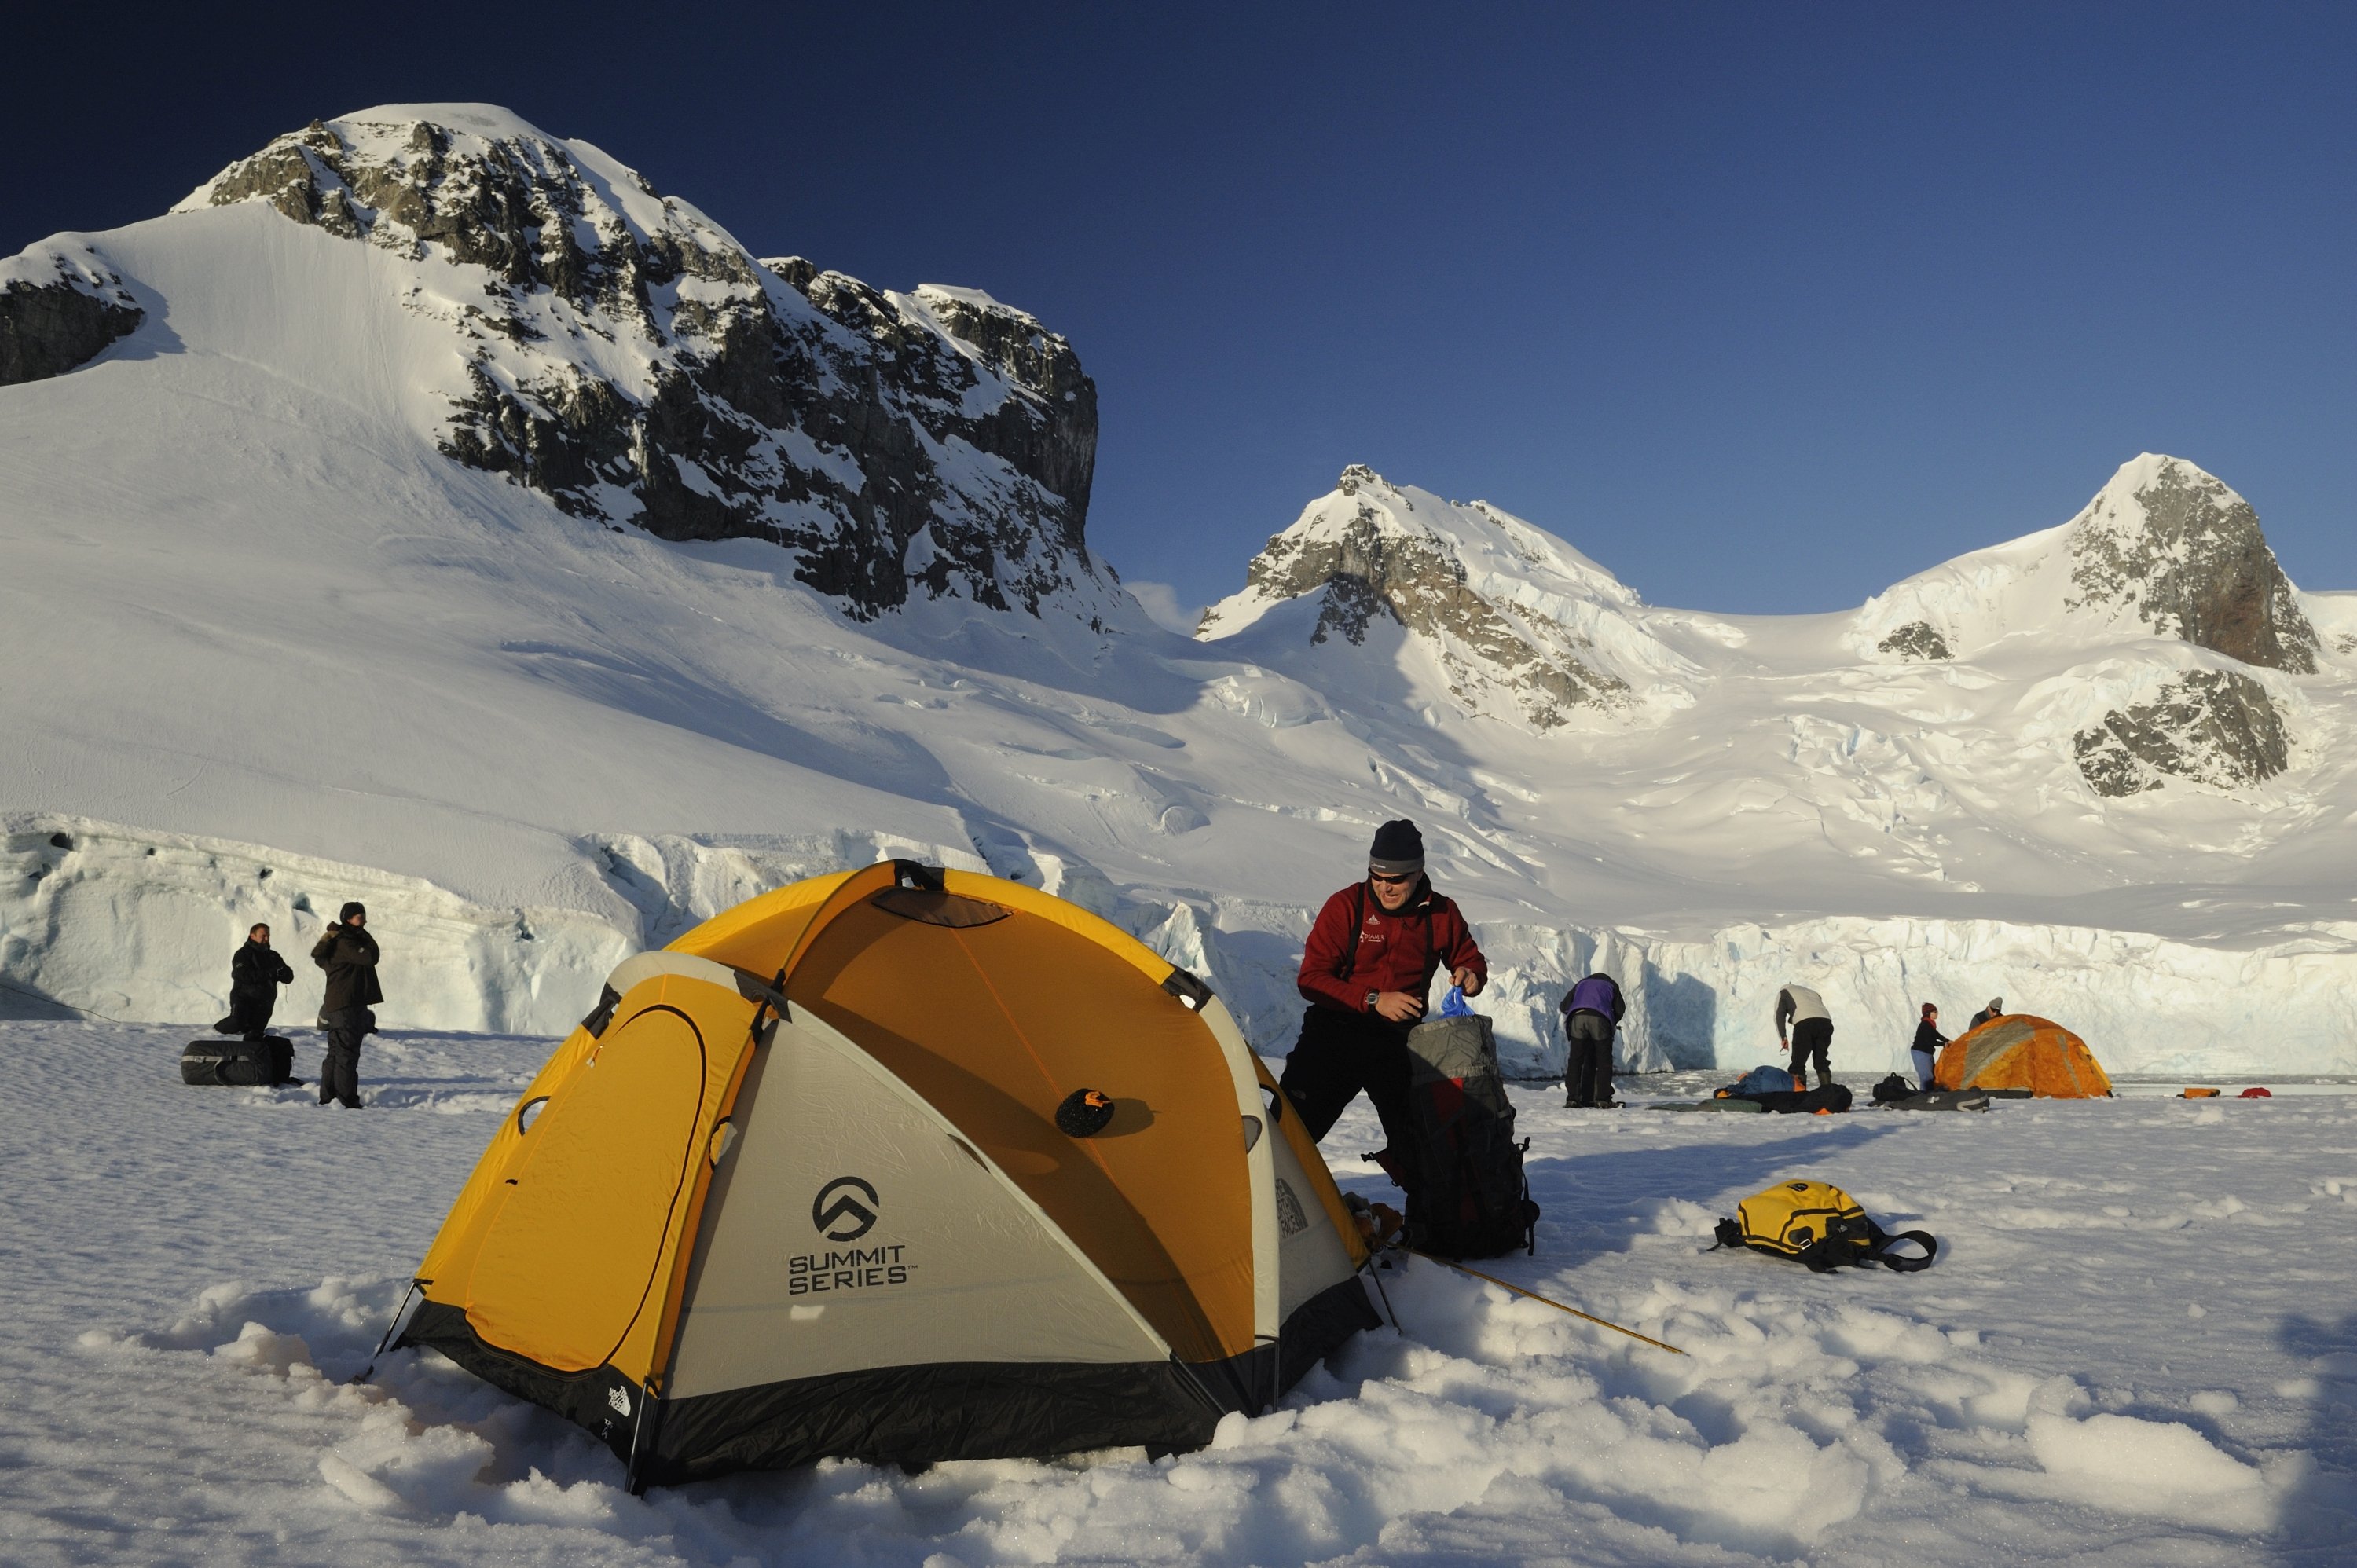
{"points": [[2211, 727], [2193, 566], [1377, 567], [49, 328], [1916, 639], [937, 442]]}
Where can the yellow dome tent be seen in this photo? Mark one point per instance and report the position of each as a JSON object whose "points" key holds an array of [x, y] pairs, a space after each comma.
{"points": [[799, 1187], [2021, 1052]]}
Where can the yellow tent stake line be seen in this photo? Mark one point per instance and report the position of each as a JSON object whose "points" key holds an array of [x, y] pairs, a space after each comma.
{"points": [[1602, 1322]]}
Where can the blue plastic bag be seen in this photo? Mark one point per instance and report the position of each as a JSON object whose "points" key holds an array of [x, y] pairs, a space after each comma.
{"points": [[1453, 1005]]}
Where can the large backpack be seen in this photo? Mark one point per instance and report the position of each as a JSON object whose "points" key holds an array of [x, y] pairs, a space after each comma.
{"points": [[1467, 1196], [1820, 1225]]}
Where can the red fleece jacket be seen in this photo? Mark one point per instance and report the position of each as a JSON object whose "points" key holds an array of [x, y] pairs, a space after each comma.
{"points": [[1386, 952]]}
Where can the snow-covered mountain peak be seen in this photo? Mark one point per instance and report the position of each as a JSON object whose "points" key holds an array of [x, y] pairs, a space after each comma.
{"points": [[618, 351], [2163, 549], [2163, 554], [2172, 547], [1516, 623]]}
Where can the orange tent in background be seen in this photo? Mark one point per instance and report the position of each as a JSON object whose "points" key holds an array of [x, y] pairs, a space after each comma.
{"points": [[2020, 1051]]}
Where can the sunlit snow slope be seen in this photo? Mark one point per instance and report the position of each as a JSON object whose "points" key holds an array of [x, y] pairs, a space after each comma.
{"points": [[269, 644]]}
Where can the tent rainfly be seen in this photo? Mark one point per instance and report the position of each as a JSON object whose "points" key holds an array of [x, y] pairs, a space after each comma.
{"points": [[799, 1188], [2023, 1054]]}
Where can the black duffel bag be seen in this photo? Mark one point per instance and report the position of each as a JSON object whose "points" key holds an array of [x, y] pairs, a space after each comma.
{"points": [[239, 1063]]}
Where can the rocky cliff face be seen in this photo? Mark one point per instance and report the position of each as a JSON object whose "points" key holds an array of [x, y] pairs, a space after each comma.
{"points": [[631, 360], [2211, 727], [1521, 625], [58, 311], [2173, 548]]}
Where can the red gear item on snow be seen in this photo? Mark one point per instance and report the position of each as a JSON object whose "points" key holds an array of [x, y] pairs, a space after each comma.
{"points": [[1386, 952]]}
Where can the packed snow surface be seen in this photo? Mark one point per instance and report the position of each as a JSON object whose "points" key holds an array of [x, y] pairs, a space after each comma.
{"points": [[2136, 1348]]}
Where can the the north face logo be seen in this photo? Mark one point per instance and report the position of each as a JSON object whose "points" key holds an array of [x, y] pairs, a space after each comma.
{"points": [[839, 1213], [1290, 1220]]}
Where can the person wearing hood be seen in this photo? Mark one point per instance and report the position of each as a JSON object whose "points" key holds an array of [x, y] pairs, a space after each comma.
{"points": [[1366, 972], [349, 954], [255, 973], [1996, 1009]]}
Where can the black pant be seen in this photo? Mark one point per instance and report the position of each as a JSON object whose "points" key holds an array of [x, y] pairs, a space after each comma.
{"points": [[1588, 1077], [1811, 1038], [249, 1013], [339, 1071], [1340, 1054]]}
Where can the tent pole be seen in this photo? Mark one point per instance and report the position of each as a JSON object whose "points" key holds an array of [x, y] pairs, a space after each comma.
{"points": [[366, 1372], [1373, 1272], [1518, 1290]]}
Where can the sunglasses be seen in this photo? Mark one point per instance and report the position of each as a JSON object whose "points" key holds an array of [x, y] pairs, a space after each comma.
{"points": [[1385, 881]]}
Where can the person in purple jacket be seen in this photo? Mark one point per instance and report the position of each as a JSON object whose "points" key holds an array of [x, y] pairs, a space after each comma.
{"points": [[1591, 1013]]}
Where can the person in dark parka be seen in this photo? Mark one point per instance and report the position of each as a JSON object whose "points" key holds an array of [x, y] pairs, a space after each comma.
{"points": [[1592, 1011], [349, 954], [255, 973]]}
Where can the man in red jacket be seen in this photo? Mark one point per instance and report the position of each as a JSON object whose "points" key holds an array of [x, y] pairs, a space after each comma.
{"points": [[1367, 973]]}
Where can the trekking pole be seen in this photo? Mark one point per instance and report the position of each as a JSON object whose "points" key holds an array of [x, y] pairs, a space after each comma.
{"points": [[1601, 1322]]}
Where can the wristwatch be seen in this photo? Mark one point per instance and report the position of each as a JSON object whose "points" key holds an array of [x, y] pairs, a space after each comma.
{"points": [[1372, 997]]}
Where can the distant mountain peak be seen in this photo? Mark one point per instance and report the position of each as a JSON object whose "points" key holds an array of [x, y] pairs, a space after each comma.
{"points": [[2173, 547], [1521, 625], [623, 355]]}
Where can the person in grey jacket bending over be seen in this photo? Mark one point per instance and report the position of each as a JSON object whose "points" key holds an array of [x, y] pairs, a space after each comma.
{"points": [[1811, 1031]]}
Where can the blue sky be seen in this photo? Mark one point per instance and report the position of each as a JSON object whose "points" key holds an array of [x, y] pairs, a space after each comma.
{"points": [[1763, 307]]}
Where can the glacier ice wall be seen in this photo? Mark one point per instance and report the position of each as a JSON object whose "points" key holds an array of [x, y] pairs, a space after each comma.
{"points": [[137, 925]]}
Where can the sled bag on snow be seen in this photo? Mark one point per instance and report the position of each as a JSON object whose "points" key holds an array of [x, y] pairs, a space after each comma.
{"points": [[1830, 1097], [1820, 1225], [238, 1063], [1892, 1090], [1466, 1196]]}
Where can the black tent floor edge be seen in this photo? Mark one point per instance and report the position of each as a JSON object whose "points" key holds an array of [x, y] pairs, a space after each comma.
{"points": [[928, 1414], [916, 1414], [601, 1401]]}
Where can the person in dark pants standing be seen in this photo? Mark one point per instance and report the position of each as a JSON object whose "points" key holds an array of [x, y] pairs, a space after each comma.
{"points": [[1812, 1032], [1926, 1049], [255, 973], [1366, 971], [1591, 1013], [349, 954]]}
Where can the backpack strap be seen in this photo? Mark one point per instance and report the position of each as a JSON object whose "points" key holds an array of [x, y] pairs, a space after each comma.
{"points": [[1730, 1233], [1878, 1240]]}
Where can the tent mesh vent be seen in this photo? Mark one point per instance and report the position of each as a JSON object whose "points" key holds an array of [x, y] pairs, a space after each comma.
{"points": [[938, 909]]}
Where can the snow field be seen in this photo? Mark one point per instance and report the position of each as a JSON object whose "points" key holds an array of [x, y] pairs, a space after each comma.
{"points": [[2134, 1348]]}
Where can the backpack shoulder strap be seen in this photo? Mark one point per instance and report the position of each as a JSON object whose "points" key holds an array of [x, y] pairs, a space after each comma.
{"points": [[1879, 1242]]}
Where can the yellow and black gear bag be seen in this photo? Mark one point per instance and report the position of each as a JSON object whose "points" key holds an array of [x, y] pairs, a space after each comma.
{"points": [[1821, 1226]]}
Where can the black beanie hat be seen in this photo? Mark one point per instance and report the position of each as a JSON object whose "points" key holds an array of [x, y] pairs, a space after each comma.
{"points": [[354, 908], [1398, 850]]}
